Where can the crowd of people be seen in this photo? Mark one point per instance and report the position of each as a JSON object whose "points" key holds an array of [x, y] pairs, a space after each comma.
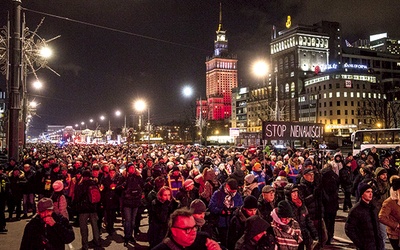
{"points": [[200, 197]]}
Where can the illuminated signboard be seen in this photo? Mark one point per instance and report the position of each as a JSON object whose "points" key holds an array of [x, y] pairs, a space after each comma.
{"points": [[334, 66], [354, 66], [348, 84], [291, 130], [329, 67]]}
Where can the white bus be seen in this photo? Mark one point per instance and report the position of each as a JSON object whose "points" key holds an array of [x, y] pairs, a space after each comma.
{"points": [[380, 138]]}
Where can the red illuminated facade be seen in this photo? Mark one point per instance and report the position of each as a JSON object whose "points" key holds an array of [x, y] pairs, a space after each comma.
{"points": [[221, 78]]}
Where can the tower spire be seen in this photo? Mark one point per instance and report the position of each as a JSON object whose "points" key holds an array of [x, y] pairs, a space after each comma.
{"points": [[220, 17]]}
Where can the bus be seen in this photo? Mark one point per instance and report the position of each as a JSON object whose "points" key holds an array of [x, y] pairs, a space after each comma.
{"points": [[380, 138]]}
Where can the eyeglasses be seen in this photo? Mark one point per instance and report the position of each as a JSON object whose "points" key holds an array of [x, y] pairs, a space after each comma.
{"points": [[188, 230]]}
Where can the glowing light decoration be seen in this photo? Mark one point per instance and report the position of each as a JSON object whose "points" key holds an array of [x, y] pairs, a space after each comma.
{"points": [[288, 22]]}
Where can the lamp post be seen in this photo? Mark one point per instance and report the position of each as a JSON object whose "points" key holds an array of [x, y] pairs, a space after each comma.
{"points": [[188, 92], [260, 69], [140, 106]]}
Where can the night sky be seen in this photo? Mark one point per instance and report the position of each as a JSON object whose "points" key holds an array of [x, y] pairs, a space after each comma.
{"points": [[104, 70]]}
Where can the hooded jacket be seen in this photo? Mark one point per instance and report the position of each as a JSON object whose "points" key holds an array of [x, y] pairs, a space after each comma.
{"points": [[390, 215], [302, 216]]}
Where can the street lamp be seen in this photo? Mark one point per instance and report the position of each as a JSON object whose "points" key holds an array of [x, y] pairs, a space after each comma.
{"points": [[188, 92], [140, 106], [37, 84], [260, 69]]}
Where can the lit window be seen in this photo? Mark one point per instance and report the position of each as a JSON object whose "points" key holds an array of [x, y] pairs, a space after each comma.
{"points": [[337, 94], [330, 94], [358, 94], [344, 94], [324, 95], [351, 94]]}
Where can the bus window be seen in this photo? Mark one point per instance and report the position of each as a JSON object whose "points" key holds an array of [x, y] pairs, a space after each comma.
{"points": [[396, 137], [385, 137], [369, 138]]}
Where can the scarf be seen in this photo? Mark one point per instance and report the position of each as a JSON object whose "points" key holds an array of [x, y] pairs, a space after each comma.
{"points": [[248, 189], [228, 201]]}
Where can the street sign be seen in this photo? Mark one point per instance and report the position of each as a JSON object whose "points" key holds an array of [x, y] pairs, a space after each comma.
{"points": [[234, 132]]}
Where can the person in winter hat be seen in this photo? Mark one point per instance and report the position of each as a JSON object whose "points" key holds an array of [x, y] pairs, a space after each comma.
{"points": [[251, 186], [302, 216], [286, 230], [257, 235], [59, 200], [237, 225], [362, 225], [222, 204]]}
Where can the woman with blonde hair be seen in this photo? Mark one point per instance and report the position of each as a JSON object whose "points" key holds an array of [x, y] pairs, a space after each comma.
{"points": [[160, 210]]}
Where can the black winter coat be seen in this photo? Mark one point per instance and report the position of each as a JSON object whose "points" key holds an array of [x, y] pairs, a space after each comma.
{"points": [[186, 197], [265, 209], [43, 181], [301, 215], [346, 178], [29, 187], [111, 196], [37, 233], [311, 195], [236, 227], [132, 190], [362, 226], [81, 203], [330, 190], [17, 183]]}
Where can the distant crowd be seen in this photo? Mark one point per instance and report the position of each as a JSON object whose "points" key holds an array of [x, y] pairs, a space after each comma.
{"points": [[201, 197]]}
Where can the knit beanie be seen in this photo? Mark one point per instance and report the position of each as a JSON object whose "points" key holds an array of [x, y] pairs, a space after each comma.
{"points": [[250, 202], [284, 210], [362, 187], [254, 225]]}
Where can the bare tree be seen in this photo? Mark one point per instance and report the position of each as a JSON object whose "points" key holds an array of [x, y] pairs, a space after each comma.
{"points": [[380, 110]]}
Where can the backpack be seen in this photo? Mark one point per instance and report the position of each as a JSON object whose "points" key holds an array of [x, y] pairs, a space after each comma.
{"points": [[94, 194]]}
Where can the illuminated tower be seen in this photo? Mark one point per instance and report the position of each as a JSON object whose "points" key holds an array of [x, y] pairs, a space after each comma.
{"points": [[221, 77]]}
